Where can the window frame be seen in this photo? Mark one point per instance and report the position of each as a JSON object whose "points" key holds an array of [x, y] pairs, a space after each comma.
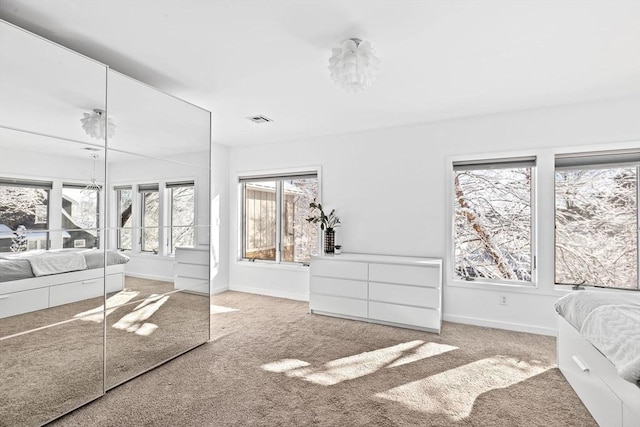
{"points": [[279, 176], [38, 184], [484, 163], [597, 160], [169, 187], [79, 186], [142, 190], [118, 216]]}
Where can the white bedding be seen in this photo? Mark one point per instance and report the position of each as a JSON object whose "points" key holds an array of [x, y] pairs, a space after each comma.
{"points": [[622, 347], [611, 322], [55, 263]]}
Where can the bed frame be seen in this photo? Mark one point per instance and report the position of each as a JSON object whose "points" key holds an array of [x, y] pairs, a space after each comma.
{"points": [[37, 293], [611, 400]]}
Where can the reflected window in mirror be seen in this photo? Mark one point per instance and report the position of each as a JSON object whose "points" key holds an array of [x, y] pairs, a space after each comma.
{"points": [[24, 215], [182, 207], [150, 202], [124, 197], [80, 216]]}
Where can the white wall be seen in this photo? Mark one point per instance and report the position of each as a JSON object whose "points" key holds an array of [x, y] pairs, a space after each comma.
{"points": [[389, 188], [219, 218]]}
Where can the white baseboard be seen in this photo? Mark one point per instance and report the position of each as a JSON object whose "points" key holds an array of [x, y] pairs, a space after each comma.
{"points": [[518, 327], [219, 290], [149, 276], [269, 292]]}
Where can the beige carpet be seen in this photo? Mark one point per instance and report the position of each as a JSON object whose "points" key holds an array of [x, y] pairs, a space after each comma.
{"points": [[54, 369], [273, 364]]}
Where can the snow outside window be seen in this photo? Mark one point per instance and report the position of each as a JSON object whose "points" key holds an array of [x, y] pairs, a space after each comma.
{"points": [[596, 219], [493, 220]]}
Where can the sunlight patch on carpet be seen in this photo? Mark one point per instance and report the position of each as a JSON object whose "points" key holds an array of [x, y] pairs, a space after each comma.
{"points": [[352, 367], [217, 309], [133, 321], [284, 365], [95, 314], [453, 392]]}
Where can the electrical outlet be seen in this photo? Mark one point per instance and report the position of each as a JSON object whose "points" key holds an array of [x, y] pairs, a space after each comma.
{"points": [[503, 300]]}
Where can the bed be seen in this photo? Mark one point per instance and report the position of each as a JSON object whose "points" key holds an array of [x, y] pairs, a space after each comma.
{"points": [[599, 353], [36, 280]]}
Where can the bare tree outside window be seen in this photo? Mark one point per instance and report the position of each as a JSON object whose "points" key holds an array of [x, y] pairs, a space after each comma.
{"points": [[300, 237], [273, 218], [597, 227], [125, 221], [25, 206], [150, 220], [493, 224], [182, 216]]}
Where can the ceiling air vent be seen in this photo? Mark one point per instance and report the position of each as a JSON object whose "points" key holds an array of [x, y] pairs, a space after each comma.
{"points": [[260, 119]]}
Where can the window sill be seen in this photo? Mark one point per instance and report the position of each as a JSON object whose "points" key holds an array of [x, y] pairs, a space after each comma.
{"points": [[565, 289], [531, 288], [150, 255], [272, 265]]}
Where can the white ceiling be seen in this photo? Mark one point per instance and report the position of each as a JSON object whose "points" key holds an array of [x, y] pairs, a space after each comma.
{"points": [[440, 59]]}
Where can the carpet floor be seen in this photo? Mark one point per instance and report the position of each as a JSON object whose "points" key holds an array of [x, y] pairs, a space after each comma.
{"points": [[271, 363], [56, 368]]}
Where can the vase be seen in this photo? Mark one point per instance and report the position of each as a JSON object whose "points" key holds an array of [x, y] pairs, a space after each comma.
{"points": [[329, 241]]}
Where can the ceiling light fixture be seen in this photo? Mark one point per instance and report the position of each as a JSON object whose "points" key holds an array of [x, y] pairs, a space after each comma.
{"points": [[94, 125], [353, 65], [93, 186]]}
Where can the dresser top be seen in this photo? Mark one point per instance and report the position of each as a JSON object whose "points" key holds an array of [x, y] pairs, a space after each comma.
{"points": [[380, 259]]}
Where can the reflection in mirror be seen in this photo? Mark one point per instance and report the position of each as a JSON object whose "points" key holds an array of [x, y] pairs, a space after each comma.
{"points": [[158, 198], [47, 89], [153, 124], [160, 221], [51, 356], [51, 251]]}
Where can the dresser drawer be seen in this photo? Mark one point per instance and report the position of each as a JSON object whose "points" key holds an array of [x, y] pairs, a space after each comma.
{"points": [[192, 285], [421, 317], [338, 305], [338, 287], [23, 302], [401, 294], [192, 256], [339, 269], [191, 270], [405, 274], [76, 291]]}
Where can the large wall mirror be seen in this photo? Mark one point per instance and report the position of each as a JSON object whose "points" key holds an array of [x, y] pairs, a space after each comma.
{"points": [[104, 228]]}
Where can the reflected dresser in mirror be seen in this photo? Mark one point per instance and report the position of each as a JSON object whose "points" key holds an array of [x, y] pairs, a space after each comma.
{"points": [[103, 180]]}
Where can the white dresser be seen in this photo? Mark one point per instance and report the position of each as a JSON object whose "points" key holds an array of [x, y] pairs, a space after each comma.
{"points": [[191, 269], [393, 290]]}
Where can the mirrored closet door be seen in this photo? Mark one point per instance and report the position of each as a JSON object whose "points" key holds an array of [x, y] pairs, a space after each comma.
{"points": [[104, 228]]}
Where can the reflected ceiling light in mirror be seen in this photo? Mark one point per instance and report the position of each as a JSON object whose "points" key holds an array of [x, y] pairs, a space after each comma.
{"points": [[353, 65], [94, 125], [93, 186]]}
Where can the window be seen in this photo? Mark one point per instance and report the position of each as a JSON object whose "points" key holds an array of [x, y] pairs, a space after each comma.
{"points": [[24, 215], [274, 209], [493, 220], [596, 219], [182, 200], [124, 201], [150, 202], [80, 210]]}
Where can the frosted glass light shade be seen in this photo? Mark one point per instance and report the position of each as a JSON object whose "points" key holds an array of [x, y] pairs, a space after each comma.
{"points": [[353, 65], [95, 125]]}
